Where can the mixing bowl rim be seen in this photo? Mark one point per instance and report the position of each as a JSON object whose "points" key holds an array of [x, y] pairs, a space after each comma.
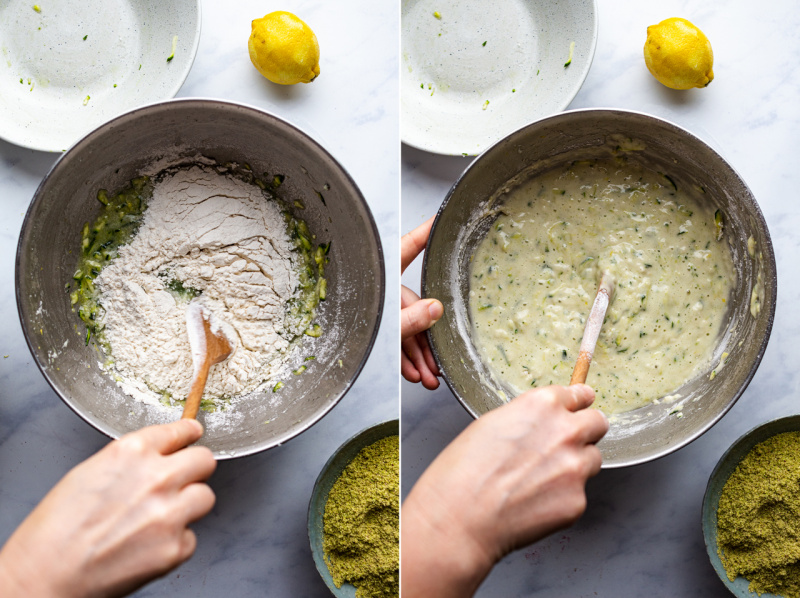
{"points": [[767, 252], [214, 103]]}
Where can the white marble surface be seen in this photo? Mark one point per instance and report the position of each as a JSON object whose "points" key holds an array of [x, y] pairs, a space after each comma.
{"points": [[641, 535], [254, 543]]}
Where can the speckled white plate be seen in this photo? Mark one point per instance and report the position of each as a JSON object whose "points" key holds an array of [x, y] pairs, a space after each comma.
{"points": [[67, 66], [473, 71]]}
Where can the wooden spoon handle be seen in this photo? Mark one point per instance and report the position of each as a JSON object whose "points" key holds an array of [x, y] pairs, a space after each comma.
{"points": [[592, 331], [581, 368], [192, 405]]}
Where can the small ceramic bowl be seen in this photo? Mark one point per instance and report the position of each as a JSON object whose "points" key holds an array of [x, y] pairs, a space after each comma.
{"points": [[472, 72], [319, 497], [71, 65], [719, 477]]}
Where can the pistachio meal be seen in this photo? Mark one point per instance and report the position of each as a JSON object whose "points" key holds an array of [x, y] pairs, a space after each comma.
{"points": [[361, 537], [758, 518]]}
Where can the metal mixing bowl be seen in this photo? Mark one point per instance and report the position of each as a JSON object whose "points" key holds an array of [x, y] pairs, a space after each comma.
{"points": [[649, 432], [118, 151]]}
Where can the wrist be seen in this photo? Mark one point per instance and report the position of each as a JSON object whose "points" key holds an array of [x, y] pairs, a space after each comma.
{"points": [[14, 582], [9, 584], [439, 559], [26, 572]]}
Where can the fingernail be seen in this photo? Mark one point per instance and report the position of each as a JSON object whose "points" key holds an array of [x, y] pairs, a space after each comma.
{"points": [[435, 310], [197, 425], [586, 390]]}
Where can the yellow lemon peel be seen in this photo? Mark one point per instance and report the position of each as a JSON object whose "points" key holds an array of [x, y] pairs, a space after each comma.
{"points": [[284, 49], [678, 54]]}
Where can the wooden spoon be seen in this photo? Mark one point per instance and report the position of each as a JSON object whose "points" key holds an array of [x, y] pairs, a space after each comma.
{"points": [[592, 330], [209, 347]]}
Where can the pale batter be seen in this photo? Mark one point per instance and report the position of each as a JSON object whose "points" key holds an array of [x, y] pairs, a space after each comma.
{"points": [[535, 275]]}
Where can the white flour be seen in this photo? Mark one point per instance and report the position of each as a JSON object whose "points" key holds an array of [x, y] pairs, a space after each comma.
{"points": [[221, 236]]}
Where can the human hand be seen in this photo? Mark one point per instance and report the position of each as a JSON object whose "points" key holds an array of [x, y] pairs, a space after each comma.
{"points": [[513, 476], [115, 521], [416, 316]]}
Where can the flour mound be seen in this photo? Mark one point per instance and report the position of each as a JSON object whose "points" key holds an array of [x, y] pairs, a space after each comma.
{"points": [[223, 237]]}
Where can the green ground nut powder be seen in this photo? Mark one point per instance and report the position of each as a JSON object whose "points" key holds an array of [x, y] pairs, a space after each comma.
{"points": [[362, 522], [758, 519]]}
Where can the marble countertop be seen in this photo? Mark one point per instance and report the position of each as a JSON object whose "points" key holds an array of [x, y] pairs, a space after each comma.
{"points": [[641, 534], [255, 542]]}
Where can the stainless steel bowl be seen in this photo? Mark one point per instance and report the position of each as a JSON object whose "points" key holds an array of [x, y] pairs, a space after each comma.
{"points": [[462, 221], [118, 151]]}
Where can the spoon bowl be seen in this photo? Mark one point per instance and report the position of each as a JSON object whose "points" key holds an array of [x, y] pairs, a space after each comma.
{"points": [[209, 346]]}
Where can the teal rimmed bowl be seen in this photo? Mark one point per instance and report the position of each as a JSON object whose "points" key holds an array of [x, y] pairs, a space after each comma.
{"points": [[325, 481], [725, 467]]}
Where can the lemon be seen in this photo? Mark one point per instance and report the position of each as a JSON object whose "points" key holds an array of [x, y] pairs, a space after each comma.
{"points": [[678, 54], [284, 49]]}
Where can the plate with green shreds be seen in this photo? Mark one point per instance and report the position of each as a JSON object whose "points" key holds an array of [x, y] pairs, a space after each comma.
{"points": [[67, 66], [473, 71], [727, 464]]}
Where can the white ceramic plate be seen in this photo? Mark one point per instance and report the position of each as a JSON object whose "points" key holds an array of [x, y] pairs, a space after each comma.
{"points": [[67, 66], [482, 69]]}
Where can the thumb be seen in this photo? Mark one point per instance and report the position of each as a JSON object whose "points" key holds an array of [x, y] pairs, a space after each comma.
{"points": [[420, 316]]}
